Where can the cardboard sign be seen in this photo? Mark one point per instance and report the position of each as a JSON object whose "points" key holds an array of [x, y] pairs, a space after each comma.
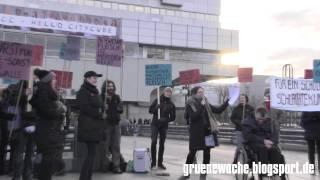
{"points": [[245, 75], [189, 76], [316, 70], [308, 74], [295, 94], [15, 60], [64, 79], [37, 55], [109, 51], [158, 74]]}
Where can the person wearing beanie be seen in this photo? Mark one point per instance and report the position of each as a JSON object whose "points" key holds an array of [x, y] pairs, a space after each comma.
{"points": [[90, 122], [113, 107], [48, 135], [159, 125]]}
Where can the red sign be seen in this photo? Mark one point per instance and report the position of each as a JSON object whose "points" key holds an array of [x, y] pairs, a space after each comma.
{"points": [[245, 75], [15, 60], [37, 55], [189, 76], [64, 79], [308, 74]]}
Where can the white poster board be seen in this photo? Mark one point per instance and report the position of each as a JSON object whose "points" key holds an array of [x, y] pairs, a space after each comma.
{"points": [[295, 94]]}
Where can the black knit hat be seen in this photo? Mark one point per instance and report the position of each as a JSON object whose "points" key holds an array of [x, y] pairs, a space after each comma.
{"points": [[40, 73]]}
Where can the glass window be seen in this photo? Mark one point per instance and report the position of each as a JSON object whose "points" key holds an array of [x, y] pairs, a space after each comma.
{"points": [[200, 16], [163, 12], [123, 7], [178, 13], [155, 53], [14, 37], [131, 8], [90, 48], [54, 44], [185, 14], [131, 49], [106, 4], [36, 39], [97, 4], [154, 11], [147, 10], [139, 9], [114, 6], [71, 1], [193, 15], [170, 13]]}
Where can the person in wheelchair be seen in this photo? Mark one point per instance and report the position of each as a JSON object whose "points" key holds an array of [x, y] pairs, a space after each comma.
{"points": [[258, 134]]}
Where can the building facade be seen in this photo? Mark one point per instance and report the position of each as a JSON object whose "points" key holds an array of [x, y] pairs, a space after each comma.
{"points": [[184, 33]]}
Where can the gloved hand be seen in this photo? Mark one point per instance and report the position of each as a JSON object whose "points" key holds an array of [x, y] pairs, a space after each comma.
{"points": [[30, 129]]}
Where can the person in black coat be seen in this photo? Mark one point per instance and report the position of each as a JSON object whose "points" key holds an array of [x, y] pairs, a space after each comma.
{"points": [[49, 134], [113, 107], [203, 124], [239, 113], [160, 125], [90, 122], [310, 122]]}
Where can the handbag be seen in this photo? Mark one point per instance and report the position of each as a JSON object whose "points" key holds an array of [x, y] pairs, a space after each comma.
{"points": [[211, 140]]}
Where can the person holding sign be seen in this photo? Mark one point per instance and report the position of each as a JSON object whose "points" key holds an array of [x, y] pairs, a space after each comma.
{"points": [[49, 136], [159, 125], [203, 125], [112, 108], [90, 122], [238, 114]]}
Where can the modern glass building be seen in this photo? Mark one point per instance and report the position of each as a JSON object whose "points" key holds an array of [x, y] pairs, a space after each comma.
{"points": [[184, 33]]}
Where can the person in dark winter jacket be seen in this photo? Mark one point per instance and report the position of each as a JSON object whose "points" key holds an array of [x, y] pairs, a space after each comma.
{"points": [[203, 125], [4, 135], [90, 122], [159, 125], [238, 114], [113, 107], [50, 112], [21, 129], [258, 134], [310, 122]]}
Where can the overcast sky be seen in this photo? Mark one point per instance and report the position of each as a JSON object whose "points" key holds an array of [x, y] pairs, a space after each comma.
{"points": [[273, 33]]}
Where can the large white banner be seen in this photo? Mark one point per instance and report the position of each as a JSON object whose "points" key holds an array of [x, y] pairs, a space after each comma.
{"points": [[295, 94], [60, 25]]}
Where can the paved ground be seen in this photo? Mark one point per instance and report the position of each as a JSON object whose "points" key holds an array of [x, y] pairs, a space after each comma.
{"points": [[175, 154]]}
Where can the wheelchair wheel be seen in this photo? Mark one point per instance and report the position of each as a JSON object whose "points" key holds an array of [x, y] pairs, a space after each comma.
{"points": [[242, 158]]}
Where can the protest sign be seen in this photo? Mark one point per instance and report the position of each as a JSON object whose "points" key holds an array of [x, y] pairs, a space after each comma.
{"points": [[316, 70], [234, 93], [308, 74], [15, 60], [158, 74], [295, 94], [245, 75], [189, 76], [71, 50], [37, 55], [64, 79], [109, 51]]}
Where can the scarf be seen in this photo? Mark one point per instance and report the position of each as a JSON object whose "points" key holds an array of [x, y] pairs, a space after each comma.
{"points": [[193, 101]]}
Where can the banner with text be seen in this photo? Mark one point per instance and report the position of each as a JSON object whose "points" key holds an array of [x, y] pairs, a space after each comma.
{"points": [[15, 60], [295, 94]]}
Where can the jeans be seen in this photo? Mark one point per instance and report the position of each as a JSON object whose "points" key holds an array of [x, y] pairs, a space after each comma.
{"points": [[312, 149], [162, 131], [23, 151], [87, 167], [112, 144]]}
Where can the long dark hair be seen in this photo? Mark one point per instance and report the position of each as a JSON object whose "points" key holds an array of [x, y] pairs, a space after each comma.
{"points": [[194, 90], [104, 87]]}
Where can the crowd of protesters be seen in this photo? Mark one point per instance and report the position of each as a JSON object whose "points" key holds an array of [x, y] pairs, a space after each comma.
{"points": [[32, 125]]}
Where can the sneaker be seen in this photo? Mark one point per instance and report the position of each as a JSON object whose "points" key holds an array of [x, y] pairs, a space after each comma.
{"points": [[117, 171], [153, 166], [161, 166]]}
